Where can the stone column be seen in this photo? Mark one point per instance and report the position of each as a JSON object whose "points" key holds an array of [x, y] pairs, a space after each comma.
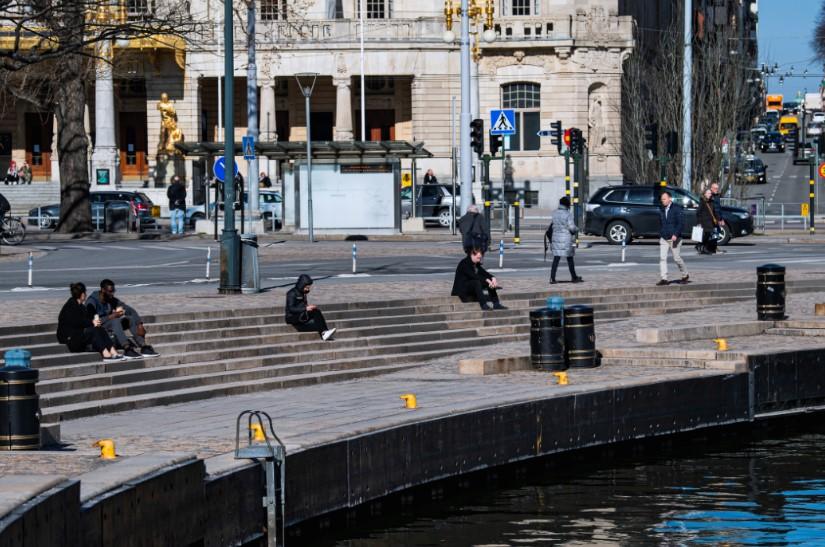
{"points": [[343, 108], [105, 154], [266, 123]]}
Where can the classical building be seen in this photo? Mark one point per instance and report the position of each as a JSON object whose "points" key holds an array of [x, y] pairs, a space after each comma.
{"points": [[551, 59]]}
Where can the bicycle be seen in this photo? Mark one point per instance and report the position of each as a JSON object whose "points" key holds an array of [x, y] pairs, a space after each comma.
{"points": [[12, 231]]}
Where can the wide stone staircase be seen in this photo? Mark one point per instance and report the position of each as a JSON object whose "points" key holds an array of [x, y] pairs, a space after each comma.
{"points": [[24, 197], [230, 352]]}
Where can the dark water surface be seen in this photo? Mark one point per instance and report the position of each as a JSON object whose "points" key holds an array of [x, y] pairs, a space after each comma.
{"points": [[755, 485]]}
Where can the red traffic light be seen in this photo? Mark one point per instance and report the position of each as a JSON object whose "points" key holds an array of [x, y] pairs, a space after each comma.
{"points": [[567, 138]]}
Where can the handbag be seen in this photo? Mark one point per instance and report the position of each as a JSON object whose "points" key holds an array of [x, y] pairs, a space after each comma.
{"points": [[696, 233]]}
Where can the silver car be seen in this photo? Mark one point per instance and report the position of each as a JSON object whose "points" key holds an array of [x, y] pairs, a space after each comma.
{"points": [[433, 203], [269, 203]]}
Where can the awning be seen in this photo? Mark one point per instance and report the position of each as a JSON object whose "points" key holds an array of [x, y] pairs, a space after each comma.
{"points": [[292, 150]]}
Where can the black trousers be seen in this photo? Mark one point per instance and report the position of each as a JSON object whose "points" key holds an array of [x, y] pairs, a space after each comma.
{"points": [[570, 265], [315, 323], [94, 338], [475, 293]]}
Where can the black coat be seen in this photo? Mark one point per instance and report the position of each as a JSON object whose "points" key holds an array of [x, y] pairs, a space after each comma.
{"points": [[474, 232], [295, 310], [74, 318], [177, 196], [706, 216], [466, 275]]}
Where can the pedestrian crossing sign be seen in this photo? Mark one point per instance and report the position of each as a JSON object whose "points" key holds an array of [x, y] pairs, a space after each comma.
{"points": [[248, 147], [503, 122]]}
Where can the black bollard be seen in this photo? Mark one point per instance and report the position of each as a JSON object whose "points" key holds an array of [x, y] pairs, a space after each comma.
{"points": [[579, 337], [547, 340], [19, 403], [770, 292]]}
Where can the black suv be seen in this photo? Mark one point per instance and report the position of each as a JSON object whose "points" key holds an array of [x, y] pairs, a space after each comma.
{"points": [[773, 142], [48, 215], [751, 169], [622, 213]]}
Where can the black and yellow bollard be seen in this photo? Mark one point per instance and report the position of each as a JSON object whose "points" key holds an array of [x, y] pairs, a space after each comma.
{"points": [[487, 219], [517, 206], [770, 292], [579, 337], [547, 340]]}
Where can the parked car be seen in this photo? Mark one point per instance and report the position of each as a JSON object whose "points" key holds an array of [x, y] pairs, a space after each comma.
{"points": [[269, 203], [773, 142], [627, 212], [818, 117], [815, 129], [758, 134], [751, 169], [47, 216], [433, 203]]}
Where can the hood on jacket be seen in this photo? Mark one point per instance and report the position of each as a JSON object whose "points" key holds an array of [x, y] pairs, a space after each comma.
{"points": [[303, 281]]}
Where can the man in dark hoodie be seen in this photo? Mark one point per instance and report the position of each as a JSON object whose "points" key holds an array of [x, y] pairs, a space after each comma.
{"points": [[472, 280], [300, 314]]}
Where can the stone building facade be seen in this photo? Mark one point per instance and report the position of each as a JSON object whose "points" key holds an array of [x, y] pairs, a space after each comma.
{"points": [[552, 59]]}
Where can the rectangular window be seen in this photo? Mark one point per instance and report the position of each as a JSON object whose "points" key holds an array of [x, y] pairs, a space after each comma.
{"points": [[376, 9], [521, 7], [273, 10], [138, 9], [532, 125]]}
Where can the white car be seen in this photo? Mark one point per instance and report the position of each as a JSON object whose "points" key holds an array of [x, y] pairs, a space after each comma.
{"points": [[815, 129], [818, 117]]}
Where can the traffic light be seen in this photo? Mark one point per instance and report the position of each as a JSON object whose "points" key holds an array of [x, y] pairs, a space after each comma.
{"points": [[672, 140], [556, 134], [576, 141], [477, 136], [496, 142], [652, 138]]}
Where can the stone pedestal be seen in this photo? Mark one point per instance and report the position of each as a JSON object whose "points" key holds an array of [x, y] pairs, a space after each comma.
{"points": [[166, 167], [343, 109], [105, 156]]}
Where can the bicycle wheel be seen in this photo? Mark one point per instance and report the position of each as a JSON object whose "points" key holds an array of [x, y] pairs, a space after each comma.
{"points": [[14, 232]]}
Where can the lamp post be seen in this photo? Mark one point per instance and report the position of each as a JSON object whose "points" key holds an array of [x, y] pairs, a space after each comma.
{"points": [[230, 242], [467, 9], [252, 110], [306, 90]]}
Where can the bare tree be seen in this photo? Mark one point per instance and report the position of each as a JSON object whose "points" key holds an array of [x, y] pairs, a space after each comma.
{"points": [[818, 39], [56, 44]]}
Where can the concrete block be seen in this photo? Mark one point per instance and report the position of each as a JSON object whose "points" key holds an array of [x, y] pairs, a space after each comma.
{"points": [[486, 367], [50, 434], [412, 225]]}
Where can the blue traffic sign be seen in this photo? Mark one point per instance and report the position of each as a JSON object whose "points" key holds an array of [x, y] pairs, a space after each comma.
{"points": [[503, 122], [545, 133], [220, 168], [248, 142]]}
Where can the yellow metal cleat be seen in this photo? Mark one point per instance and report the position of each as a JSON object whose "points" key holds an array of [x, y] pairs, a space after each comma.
{"points": [[721, 344], [257, 433], [409, 401], [562, 377], [107, 449]]}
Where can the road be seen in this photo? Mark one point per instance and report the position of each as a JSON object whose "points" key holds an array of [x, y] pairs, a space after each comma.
{"points": [[165, 266]]}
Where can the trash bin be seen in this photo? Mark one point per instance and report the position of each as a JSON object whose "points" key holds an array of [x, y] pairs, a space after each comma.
{"points": [[579, 337], [555, 303], [770, 292], [19, 404], [547, 339], [116, 216], [250, 273]]}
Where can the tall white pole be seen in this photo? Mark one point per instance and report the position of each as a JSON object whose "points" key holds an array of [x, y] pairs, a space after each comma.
{"points": [[252, 112], [362, 4], [687, 99], [464, 127]]}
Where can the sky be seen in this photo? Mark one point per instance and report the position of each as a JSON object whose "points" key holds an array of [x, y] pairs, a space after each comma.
{"points": [[784, 34]]}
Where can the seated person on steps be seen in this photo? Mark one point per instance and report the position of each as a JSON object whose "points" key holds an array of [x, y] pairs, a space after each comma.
{"points": [[472, 280], [80, 329], [117, 317], [302, 315]]}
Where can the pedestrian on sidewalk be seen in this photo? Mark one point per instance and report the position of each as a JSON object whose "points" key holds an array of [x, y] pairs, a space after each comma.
{"points": [[302, 315], [430, 178], [717, 208], [562, 229], [474, 230], [672, 220], [177, 204], [117, 317], [473, 283], [708, 221], [81, 330]]}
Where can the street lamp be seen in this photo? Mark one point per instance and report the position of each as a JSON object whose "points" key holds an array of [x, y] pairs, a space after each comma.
{"points": [[309, 78]]}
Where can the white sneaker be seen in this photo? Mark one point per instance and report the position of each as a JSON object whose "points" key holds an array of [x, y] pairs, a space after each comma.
{"points": [[327, 334]]}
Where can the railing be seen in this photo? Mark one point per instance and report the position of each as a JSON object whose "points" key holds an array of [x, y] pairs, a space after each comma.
{"points": [[771, 216]]}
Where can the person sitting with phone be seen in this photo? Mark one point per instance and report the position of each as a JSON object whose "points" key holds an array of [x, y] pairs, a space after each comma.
{"points": [[472, 281], [117, 317], [82, 330]]}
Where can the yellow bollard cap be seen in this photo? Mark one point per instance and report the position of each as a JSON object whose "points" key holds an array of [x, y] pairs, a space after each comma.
{"points": [[107, 449], [409, 401]]}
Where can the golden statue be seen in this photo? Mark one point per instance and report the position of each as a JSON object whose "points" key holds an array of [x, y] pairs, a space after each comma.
{"points": [[170, 133]]}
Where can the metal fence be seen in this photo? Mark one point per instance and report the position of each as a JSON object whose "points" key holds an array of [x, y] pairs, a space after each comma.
{"points": [[771, 216]]}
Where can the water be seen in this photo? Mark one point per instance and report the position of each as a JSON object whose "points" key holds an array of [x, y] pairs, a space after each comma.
{"points": [[761, 485]]}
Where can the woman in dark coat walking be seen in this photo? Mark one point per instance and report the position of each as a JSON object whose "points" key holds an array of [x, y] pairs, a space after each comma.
{"points": [[706, 216], [80, 329]]}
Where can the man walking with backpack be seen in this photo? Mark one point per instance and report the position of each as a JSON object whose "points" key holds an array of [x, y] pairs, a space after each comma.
{"points": [[475, 234]]}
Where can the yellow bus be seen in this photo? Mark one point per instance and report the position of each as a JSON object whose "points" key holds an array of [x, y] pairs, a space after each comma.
{"points": [[787, 125], [773, 102]]}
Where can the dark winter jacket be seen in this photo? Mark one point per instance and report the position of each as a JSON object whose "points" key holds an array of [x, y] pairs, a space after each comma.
{"points": [[430, 179], [706, 216], [5, 207], [474, 232], [466, 275], [296, 301], [74, 318], [717, 206], [673, 224], [177, 196]]}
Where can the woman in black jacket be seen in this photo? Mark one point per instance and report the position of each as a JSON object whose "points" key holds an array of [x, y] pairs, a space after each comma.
{"points": [[706, 216], [80, 329]]}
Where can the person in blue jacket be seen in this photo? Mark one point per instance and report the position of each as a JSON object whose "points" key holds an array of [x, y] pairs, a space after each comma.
{"points": [[672, 221]]}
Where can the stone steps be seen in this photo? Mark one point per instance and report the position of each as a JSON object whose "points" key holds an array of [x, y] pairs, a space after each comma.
{"points": [[23, 198]]}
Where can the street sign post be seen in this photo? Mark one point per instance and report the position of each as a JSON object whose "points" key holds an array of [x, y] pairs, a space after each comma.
{"points": [[219, 169], [503, 122], [248, 144]]}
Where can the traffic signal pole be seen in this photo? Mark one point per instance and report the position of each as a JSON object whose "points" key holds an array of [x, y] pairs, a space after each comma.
{"points": [[812, 188]]}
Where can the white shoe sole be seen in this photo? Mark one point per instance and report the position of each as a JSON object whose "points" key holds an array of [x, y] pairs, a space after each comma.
{"points": [[328, 334]]}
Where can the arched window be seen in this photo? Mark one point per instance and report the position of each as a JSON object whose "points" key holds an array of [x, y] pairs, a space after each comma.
{"points": [[525, 99]]}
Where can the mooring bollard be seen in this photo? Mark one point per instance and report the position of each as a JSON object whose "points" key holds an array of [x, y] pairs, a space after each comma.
{"points": [[354, 258], [31, 267], [208, 261], [19, 403], [501, 253]]}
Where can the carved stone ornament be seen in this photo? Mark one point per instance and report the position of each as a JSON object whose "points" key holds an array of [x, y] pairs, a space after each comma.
{"points": [[519, 55]]}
